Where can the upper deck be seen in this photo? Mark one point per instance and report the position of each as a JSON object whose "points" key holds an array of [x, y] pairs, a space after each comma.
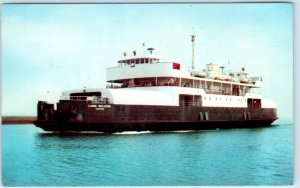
{"points": [[145, 68], [149, 70]]}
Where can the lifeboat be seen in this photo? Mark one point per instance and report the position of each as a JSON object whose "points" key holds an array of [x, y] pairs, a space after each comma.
{"points": [[197, 73], [226, 78], [244, 80]]}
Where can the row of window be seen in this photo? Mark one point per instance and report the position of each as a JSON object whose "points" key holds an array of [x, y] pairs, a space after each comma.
{"points": [[138, 61], [211, 87], [221, 99]]}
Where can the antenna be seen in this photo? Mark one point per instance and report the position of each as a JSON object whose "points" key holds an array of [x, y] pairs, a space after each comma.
{"points": [[143, 48], [193, 49]]}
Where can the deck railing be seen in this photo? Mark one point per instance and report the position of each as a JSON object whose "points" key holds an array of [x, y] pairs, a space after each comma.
{"points": [[88, 99]]}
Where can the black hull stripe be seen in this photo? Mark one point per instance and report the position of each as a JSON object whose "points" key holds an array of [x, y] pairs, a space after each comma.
{"points": [[110, 127]]}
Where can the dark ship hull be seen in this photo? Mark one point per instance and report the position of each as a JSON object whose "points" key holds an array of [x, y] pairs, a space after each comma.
{"points": [[109, 118]]}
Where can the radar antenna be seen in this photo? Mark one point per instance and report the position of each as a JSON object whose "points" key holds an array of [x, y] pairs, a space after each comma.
{"points": [[150, 50], [222, 67]]}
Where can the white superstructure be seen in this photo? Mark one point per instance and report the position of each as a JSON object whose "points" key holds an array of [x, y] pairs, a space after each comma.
{"points": [[145, 80]]}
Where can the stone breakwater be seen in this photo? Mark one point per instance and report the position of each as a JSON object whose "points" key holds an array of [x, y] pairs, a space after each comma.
{"points": [[18, 119]]}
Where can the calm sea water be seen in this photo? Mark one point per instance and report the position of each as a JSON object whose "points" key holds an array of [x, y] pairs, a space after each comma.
{"points": [[261, 156]]}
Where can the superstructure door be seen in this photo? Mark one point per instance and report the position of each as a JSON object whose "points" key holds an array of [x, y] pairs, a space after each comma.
{"points": [[190, 100]]}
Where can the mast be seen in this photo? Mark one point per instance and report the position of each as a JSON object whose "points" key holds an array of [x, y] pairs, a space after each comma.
{"points": [[193, 48]]}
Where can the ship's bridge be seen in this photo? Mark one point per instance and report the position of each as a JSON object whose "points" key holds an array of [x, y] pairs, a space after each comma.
{"points": [[149, 66]]}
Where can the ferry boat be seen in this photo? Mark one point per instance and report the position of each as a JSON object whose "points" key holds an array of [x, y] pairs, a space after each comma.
{"points": [[145, 93]]}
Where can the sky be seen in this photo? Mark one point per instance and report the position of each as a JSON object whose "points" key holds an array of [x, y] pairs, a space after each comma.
{"points": [[49, 48]]}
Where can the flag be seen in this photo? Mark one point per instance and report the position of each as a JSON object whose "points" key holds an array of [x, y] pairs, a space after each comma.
{"points": [[176, 66]]}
